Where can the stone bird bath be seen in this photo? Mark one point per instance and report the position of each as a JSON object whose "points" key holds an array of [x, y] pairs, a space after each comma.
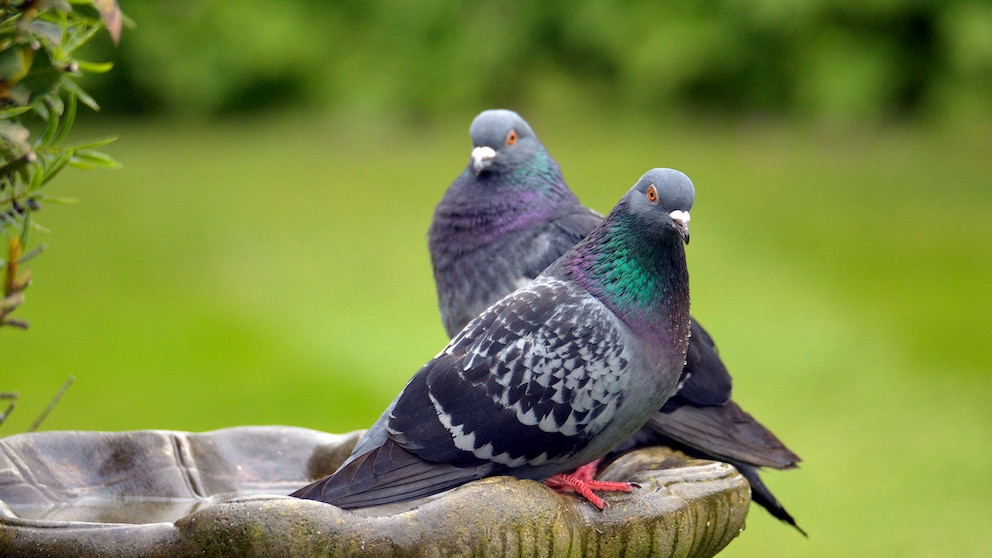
{"points": [[166, 493]]}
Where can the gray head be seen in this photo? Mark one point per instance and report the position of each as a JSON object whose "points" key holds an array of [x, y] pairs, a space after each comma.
{"points": [[668, 190], [502, 140]]}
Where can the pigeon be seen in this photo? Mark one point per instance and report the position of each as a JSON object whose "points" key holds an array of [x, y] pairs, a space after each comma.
{"points": [[548, 378], [506, 217]]}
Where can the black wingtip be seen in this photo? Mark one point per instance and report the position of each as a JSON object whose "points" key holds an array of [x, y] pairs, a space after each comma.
{"points": [[761, 495], [724, 433], [388, 474], [310, 491]]}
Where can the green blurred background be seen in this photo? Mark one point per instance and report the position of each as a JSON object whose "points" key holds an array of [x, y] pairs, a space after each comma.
{"points": [[261, 258]]}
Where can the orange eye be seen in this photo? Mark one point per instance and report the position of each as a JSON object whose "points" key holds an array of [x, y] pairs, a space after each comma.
{"points": [[652, 194], [511, 138]]}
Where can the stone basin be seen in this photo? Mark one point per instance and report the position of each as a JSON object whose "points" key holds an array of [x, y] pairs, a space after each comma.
{"points": [[221, 493]]}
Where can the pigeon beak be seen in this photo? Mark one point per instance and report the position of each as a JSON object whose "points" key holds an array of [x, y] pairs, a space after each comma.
{"points": [[482, 157], [681, 219]]}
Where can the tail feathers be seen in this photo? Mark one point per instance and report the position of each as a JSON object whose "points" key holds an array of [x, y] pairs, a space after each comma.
{"points": [[726, 433], [389, 474], [764, 497]]}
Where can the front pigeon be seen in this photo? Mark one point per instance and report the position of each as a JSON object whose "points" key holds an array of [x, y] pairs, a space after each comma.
{"points": [[550, 377]]}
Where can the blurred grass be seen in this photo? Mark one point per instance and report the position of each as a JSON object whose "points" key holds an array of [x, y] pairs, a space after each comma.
{"points": [[275, 271]]}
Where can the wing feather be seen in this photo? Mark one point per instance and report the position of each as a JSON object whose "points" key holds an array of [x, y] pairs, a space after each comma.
{"points": [[524, 386], [513, 388]]}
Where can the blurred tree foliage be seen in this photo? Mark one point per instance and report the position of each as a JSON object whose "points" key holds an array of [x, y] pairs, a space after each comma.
{"points": [[807, 58], [39, 65]]}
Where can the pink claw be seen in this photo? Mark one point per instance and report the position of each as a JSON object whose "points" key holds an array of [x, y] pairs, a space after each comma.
{"points": [[581, 481]]}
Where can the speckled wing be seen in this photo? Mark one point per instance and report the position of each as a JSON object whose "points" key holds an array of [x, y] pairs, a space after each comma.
{"points": [[525, 387], [528, 383]]}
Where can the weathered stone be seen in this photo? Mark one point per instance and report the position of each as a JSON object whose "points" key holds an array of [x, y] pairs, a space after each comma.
{"points": [[163, 493]]}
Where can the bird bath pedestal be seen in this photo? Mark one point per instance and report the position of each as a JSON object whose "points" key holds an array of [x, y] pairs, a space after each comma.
{"points": [[166, 493]]}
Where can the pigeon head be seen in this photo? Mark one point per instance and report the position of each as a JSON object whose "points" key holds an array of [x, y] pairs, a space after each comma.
{"points": [[634, 262], [662, 198], [503, 142]]}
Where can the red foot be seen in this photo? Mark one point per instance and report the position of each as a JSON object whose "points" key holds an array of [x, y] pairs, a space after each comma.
{"points": [[588, 471], [582, 482]]}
